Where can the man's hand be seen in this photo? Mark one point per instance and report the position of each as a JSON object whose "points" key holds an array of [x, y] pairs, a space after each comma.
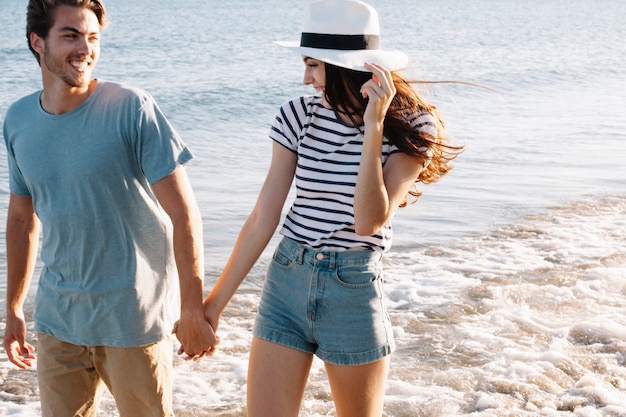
{"points": [[196, 336], [18, 350]]}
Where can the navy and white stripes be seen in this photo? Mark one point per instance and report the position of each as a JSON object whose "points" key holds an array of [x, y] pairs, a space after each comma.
{"points": [[329, 153]]}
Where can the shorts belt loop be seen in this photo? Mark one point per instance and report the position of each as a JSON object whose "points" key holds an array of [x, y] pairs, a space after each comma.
{"points": [[300, 255], [331, 260]]}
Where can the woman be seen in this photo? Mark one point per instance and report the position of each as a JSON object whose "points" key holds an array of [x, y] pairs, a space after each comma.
{"points": [[356, 150]]}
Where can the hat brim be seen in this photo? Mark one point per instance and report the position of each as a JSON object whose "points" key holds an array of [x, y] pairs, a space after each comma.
{"points": [[354, 60]]}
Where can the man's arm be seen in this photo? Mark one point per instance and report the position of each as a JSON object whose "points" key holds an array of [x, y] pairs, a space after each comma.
{"points": [[22, 243], [176, 197]]}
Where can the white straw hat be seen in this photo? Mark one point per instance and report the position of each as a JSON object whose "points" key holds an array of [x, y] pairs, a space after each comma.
{"points": [[345, 33]]}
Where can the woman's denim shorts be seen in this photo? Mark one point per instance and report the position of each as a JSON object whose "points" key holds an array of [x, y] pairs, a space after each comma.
{"points": [[326, 303]]}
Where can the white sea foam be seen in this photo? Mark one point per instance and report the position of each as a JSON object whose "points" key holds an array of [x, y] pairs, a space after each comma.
{"points": [[539, 330]]}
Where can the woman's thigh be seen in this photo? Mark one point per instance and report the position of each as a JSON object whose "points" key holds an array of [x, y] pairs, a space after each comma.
{"points": [[359, 391], [277, 377]]}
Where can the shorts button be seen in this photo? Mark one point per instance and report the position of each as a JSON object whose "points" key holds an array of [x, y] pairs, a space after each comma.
{"points": [[320, 256]]}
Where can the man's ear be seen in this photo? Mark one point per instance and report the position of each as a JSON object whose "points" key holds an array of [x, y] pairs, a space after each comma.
{"points": [[37, 43]]}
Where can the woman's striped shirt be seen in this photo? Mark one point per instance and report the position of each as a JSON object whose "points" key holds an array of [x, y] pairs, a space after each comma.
{"points": [[329, 153]]}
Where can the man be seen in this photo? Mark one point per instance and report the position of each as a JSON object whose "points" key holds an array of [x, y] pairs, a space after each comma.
{"points": [[98, 167]]}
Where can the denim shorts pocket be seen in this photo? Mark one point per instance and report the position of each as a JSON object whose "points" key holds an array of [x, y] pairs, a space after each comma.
{"points": [[280, 260], [358, 276]]}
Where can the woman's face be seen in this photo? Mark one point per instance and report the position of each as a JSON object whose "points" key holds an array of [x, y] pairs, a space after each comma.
{"points": [[314, 73]]}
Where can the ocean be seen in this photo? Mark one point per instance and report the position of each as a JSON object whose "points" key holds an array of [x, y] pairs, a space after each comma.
{"points": [[506, 282]]}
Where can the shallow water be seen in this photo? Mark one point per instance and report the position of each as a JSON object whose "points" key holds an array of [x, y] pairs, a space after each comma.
{"points": [[506, 281]]}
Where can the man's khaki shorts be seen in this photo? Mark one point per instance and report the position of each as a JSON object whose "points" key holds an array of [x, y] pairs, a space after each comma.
{"points": [[71, 378]]}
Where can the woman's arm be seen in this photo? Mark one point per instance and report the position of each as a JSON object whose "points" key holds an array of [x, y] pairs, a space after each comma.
{"points": [[379, 192], [255, 233]]}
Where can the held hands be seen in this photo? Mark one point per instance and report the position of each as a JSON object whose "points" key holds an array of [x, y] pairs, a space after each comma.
{"points": [[197, 336], [380, 90]]}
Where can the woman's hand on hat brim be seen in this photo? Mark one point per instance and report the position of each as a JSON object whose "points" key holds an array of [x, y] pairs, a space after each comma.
{"points": [[380, 91]]}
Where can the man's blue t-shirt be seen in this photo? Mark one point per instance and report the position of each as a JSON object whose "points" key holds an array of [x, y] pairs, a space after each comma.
{"points": [[109, 275]]}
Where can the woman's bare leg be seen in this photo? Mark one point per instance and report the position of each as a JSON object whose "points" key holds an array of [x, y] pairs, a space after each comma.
{"points": [[359, 391], [277, 377]]}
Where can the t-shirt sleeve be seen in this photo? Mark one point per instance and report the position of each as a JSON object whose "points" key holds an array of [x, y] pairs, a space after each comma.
{"points": [[17, 184], [159, 148], [424, 123], [289, 123]]}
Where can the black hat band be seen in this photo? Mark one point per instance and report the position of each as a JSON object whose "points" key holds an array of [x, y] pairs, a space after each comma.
{"points": [[340, 42]]}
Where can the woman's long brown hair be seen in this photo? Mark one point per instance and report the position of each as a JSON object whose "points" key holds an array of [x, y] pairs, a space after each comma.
{"points": [[342, 91]]}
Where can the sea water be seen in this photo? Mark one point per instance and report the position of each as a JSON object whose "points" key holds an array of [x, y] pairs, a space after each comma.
{"points": [[506, 282]]}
